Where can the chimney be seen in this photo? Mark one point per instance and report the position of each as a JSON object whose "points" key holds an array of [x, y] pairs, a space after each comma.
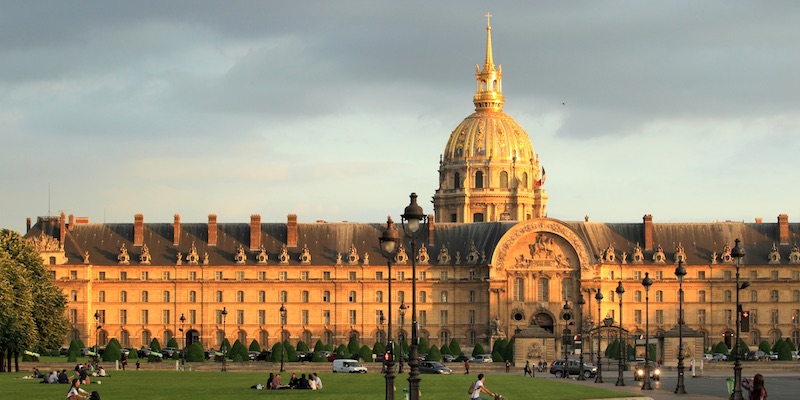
{"points": [[28, 224], [71, 225], [759, 220], [291, 231], [431, 239], [62, 231], [783, 229], [648, 231], [176, 230], [255, 231], [138, 229], [212, 229]]}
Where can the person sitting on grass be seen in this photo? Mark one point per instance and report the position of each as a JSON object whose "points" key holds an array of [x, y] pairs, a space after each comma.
{"points": [[75, 391], [62, 377], [317, 383]]}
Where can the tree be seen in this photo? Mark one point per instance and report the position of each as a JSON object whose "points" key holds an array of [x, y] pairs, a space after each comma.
{"points": [[302, 346], [112, 351], [509, 354], [194, 353], [277, 351], [478, 349], [254, 346], [455, 348], [155, 346], [445, 350], [319, 346], [434, 354], [353, 346], [25, 290], [365, 353], [764, 346], [172, 343]]}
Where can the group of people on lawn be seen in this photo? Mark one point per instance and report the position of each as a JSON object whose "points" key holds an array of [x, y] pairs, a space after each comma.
{"points": [[313, 382]]}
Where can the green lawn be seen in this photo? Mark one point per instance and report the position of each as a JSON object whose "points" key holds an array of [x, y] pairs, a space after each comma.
{"points": [[195, 385]]}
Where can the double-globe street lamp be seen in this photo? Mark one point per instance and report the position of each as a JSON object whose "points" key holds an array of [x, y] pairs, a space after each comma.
{"points": [[680, 272], [566, 315], [401, 335], [621, 366], [282, 310], [97, 328], [581, 303], [183, 350], [411, 219], [738, 253], [388, 241], [222, 344], [646, 282], [599, 377]]}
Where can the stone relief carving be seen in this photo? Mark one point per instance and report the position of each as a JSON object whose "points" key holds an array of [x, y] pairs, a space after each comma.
{"points": [[658, 256], [680, 254], [145, 257], [123, 258], [305, 255], [422, 255], [240, 257], [774, 254], [283, 257], [45, 243], [794, 255], [444, 256], [516, 234]]}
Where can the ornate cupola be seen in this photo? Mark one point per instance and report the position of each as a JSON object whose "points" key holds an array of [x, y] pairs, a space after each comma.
{"points": [[489, 171]]}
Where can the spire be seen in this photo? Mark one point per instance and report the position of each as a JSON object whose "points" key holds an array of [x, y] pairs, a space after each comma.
{"points": [[488, 82]]}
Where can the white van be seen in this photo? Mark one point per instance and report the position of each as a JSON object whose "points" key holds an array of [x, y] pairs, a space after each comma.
{"points": [[349, 366]]}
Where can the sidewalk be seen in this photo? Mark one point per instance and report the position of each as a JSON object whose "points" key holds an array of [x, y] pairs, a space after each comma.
{"points": [[635, 389]]}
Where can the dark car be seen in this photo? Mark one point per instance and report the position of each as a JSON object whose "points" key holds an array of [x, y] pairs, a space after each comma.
{"points": [[144, 352], [448, 358], [63, 352], [434, 367], [573, 368], [167, 352], [464, 357], [264, 355]]}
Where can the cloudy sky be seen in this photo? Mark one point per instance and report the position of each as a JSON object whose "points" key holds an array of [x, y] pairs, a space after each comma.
{"points": [[338, 110]]}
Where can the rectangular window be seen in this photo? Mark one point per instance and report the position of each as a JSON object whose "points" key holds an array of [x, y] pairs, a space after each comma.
{"points": [[326, 296], [775, 317], [192, 296], [701, 275], [659, 316], [795, 317], [192, 317], [192, 275], [123, 276], [728, 317], [304, 296], [101, 316], [282, 275], [471, 296], [401, 275], [443, 296], [240, 317], [637, 316], [352, 314], [659, 275], [145, 317], [423, 318], [304, 317], [326, 276], [73, 275], [218, 316], [637, 296], [443, 276], [101, 296], [659, 296], [701, 317], [144, 276], [165, 317], [165, 276], [326, 317], [401, 296], [101, 275], [145, 296], [165, 296], [701, 296], [123, 297], [423, 275], [472, 275], [637, 275], [379, 275], [262, 317], [726, 275], [239, 275], [304, 275], [283, 296], [218, 275], [73, 316], [352, 276], [262, 275], [796, 275], [472, 317], [443, 318], [774, 275], [123, 317]]}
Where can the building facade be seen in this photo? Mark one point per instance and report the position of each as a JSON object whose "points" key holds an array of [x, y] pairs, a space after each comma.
{"points": [[492, 264]]}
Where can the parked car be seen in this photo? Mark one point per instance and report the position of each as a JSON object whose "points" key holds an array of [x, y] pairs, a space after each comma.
{"points": [[483, 358], [573, 368], [655, 371], [719, 357], [707, 357], [348, 366], [125, 352], [63, 352], [167, 352], [434, 367], [757, 355], [144, 352], [465, 357], [264, 355], [773, 356], [448, 358], [253, 355]]}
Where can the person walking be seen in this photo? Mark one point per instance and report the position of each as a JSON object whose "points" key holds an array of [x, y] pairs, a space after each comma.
{"points": [[527, 370], [755, 387], [480, 387], [508, 366], [466, 367]]}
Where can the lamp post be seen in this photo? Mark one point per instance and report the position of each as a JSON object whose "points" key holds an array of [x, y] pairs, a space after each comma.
{"points": [[283, 348], [581, 303], [566, 315], [401, 337], [646, 282], [222, 344], [738, 253], [183, 350], [388, 241], [412, 218], [97, 327], [621, 366], [599, 377], [680, 272]]}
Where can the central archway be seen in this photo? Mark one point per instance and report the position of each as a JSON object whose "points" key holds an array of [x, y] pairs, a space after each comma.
{"points": [[544, 320]]}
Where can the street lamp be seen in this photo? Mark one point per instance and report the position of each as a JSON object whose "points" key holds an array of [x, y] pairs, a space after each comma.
{"points": [[401, 336], [411, 219], [97, 327], [581, 303], [224, 356], [183, 350], [283, 348], [646, 282], [599, 377], [680, 272], [388, 241], [566, 315], [738, 253], [620, 379]]}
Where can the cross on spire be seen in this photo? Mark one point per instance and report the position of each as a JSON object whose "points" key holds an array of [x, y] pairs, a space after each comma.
{"points": [[488, 19]]}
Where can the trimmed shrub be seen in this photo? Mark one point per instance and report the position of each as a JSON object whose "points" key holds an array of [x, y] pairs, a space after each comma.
{"points": [[365, 353], [80, 344], [342, 351], [434, 354], [73, 352], [319, 346], [254, 346], [378, 348], [302, 346], [455, 348], [497, 357], [238, 358], [423, 346], [478, 349], [277, 350], [226, 345], [112, 351], [764, 346], [319, 357], [291, 353], [509, 353], [194, 353], [154, 345], [445, 350], [172, 342], [353, 346]]}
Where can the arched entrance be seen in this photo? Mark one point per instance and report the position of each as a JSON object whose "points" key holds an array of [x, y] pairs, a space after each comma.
{"points": [[192, 336], [544, 320]]}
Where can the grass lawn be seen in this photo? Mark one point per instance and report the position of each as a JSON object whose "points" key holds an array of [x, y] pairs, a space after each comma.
{"points": [[193, 385]]}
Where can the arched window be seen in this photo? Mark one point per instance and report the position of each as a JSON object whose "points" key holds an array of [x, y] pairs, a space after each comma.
{"points": [[524, 180], [423, 297], [479, 180], [283, 296], [242, 336], [544, 289], [504, 180], [262, 296], [444, 337], [220, 338], [219, 296], [263, 339], [306, 337], [379, 296], [352, 297], [192, 296], [124, 338], [456, 181], [519, 289], [145, 297], [167, 336], [146, 338], [328, 337]]}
